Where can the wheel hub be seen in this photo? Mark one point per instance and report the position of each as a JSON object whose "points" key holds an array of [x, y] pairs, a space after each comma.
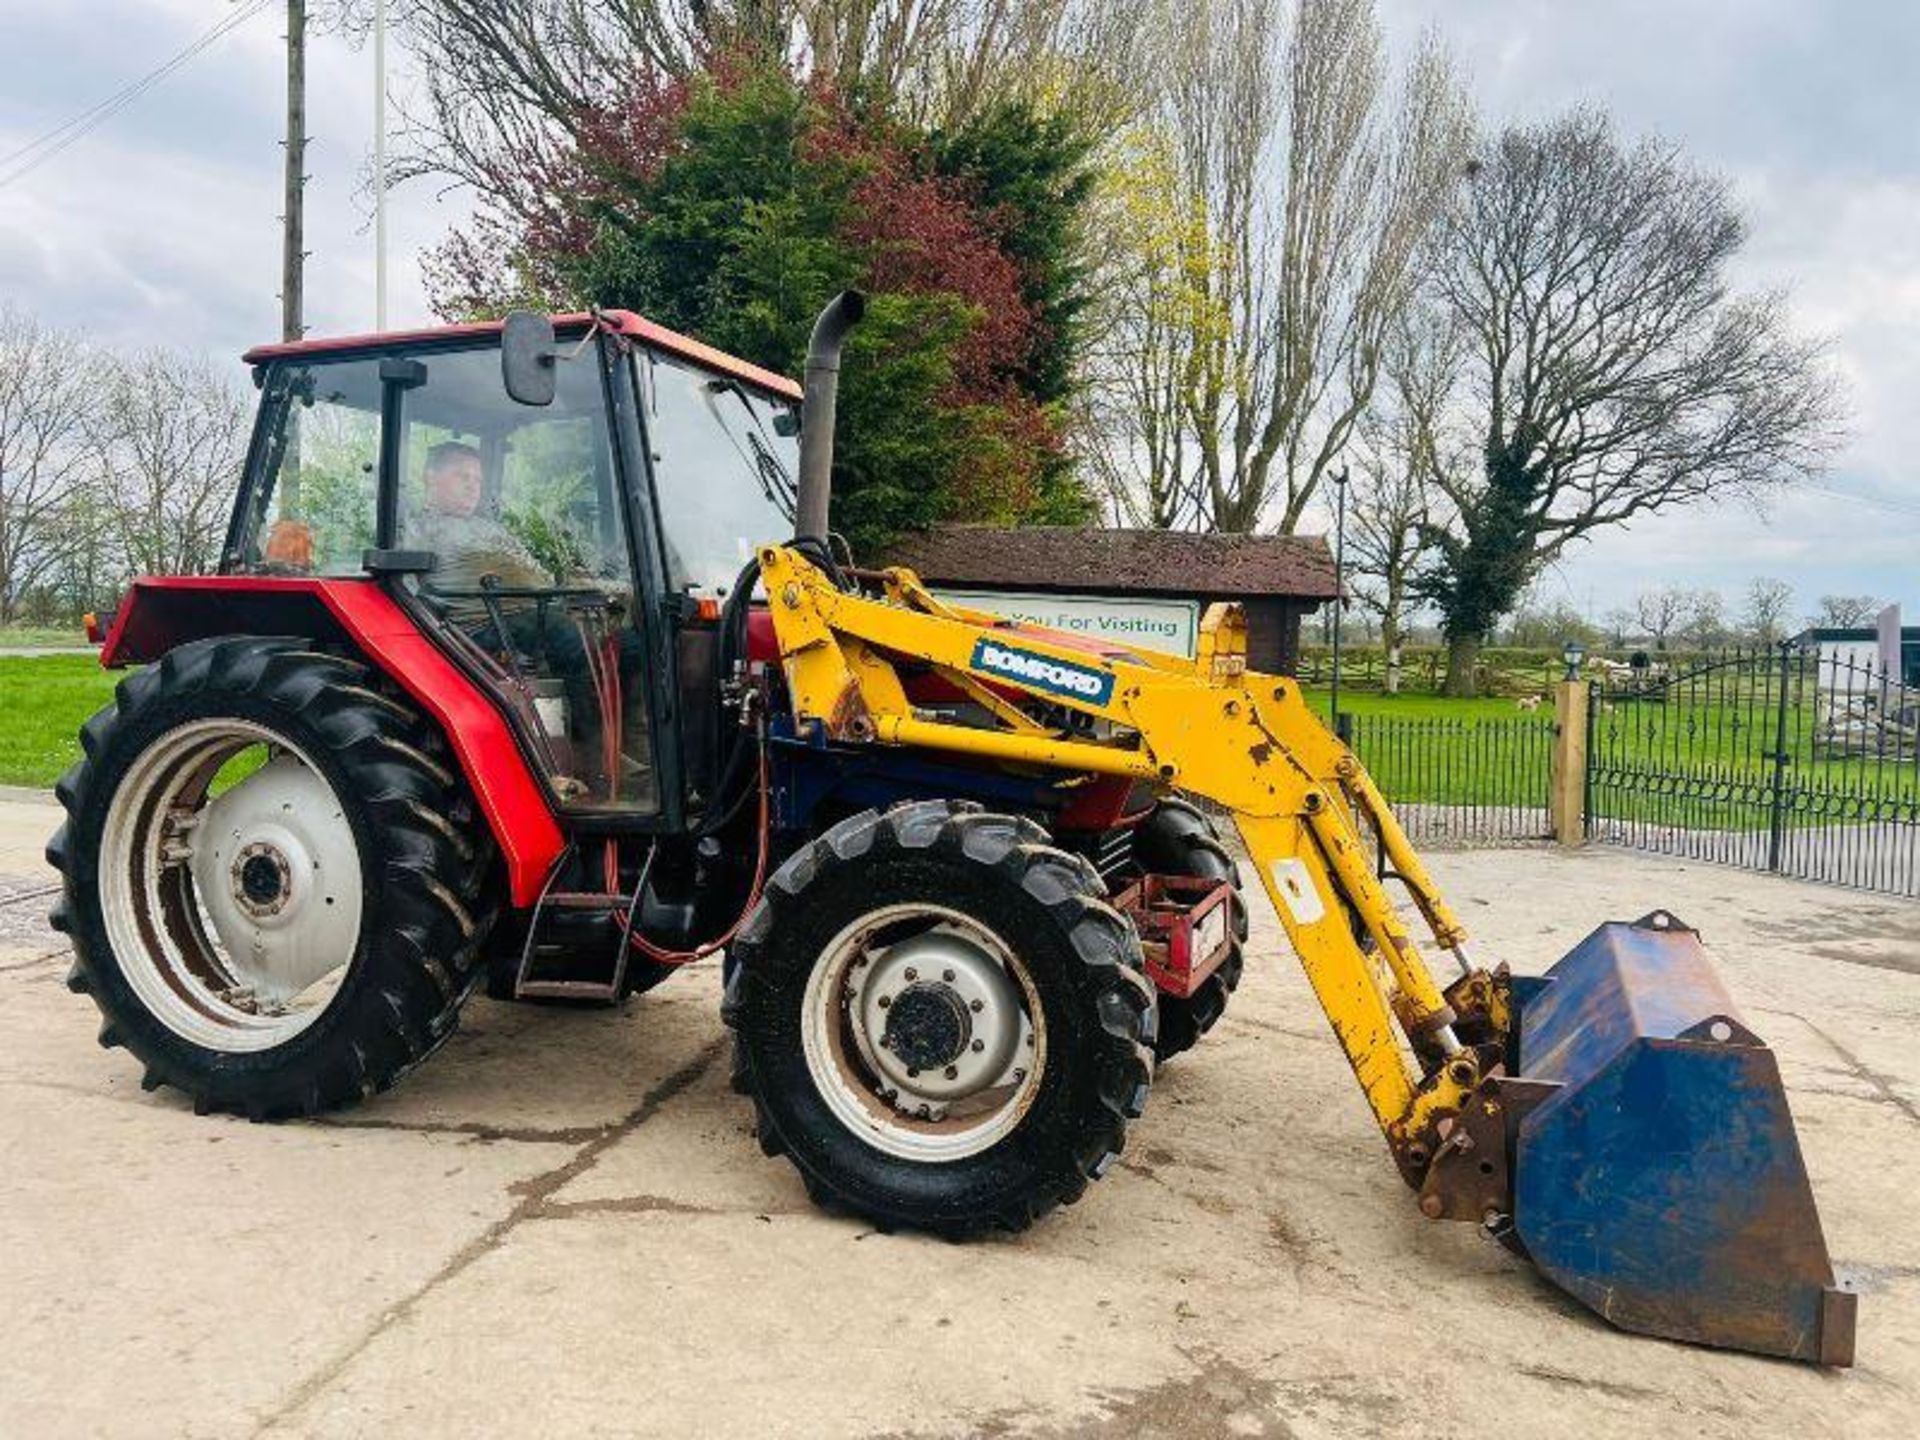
{"points": [[938, 1020], [923, 1031], [262, 878], [278, 871], [928, 1026]]}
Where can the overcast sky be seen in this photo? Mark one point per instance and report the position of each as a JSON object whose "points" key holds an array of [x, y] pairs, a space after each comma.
{"points": [[162, 224]]}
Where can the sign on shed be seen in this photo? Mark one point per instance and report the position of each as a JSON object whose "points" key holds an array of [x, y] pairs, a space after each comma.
{"points": [[1168, 625]]}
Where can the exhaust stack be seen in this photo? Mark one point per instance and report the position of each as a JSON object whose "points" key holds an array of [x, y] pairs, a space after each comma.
{"points": [[822, 385]]}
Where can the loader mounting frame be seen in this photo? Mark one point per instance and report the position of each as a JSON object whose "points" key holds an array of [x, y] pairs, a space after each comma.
{"points": [[1208, 726]]}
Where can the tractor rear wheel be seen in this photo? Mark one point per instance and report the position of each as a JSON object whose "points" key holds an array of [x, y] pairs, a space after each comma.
{"points": [[275, 884], [940, 1020], [1178, 839]]}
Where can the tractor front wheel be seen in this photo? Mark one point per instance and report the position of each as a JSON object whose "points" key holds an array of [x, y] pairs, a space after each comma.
{"points": [[940, 1020], [275, 885], [1177, 839]]}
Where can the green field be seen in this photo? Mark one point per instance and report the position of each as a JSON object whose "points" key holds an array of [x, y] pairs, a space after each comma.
{"points": [[44, 699], [39, 637], [1694, 765], [1371, 704]]}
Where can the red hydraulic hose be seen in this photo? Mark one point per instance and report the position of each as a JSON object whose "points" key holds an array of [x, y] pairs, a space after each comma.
{"points": [[687, 957]]}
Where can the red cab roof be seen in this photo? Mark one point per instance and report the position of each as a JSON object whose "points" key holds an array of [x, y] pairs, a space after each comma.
{"points": [[624, 322]]}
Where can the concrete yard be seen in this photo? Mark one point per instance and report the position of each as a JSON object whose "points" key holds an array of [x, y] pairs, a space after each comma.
{"points": [[561, 1225]]}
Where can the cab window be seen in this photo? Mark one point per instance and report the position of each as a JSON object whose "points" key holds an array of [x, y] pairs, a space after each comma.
{"points": [[725, 458], [314, 505]]}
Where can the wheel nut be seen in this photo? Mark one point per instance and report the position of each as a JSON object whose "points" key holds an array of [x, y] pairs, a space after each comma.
{"points": [[978, 1046], [912, 974], [912, 1074], [977, 1006], [953, 1072], [885, 1001], [947, 975]]}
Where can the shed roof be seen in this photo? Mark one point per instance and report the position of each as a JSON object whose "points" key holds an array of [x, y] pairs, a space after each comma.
{"points": [[1153, 562]]}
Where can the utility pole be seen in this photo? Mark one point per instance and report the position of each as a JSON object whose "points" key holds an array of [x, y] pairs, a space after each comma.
{"points": [[293, 230], [1341, 725], [380, 164], [293, 236]]}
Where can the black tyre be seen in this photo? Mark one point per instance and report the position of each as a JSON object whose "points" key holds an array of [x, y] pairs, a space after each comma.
{"points": [[276, 886], [1177, 839], [940, 1021]]}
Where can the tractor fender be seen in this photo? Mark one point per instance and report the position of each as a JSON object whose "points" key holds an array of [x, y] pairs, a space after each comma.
{"points": [[161, 612]]}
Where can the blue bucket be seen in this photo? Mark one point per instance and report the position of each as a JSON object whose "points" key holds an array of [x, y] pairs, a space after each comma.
{"points": [[1658, 1177]]}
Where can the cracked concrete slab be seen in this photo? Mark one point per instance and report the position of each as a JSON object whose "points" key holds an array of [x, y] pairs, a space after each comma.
{"points": [[562, 1224]]}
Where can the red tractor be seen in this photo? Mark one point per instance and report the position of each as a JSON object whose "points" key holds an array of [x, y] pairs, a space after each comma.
{"points": [[481, 694], [508, 675]]}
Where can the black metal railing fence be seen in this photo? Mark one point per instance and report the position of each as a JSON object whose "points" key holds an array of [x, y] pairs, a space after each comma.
{"points": [[1802, 759], [1461, 781]]}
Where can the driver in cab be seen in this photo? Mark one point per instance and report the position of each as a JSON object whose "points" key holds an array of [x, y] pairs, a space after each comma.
{"points": [[471, 546], [475, 552]]}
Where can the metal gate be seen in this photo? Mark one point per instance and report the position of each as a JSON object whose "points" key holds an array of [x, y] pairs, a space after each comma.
{"points": [[1460, 782], [1803, 760]]}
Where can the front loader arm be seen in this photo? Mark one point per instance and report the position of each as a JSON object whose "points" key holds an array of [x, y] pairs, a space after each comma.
{"points": [[1208, 726]]}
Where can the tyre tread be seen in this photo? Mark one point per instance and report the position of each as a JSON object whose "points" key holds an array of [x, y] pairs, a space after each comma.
{"points": [[437, 877]]}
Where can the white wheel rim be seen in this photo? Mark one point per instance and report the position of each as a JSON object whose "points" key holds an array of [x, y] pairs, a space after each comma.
{"points": [[233, 917], [923, 1033]]}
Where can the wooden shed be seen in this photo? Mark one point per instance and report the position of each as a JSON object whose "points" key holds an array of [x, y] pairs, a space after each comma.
{"points": [[1153, 578]]}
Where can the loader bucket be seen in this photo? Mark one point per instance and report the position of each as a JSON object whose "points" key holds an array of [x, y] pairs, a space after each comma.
{"points": [[1658, 1177]]}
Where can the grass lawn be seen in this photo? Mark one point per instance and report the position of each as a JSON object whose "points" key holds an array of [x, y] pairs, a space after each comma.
{"points": [[44, 700], [1371, 704], [1695, 765], [1704, 765], [38, 637]]}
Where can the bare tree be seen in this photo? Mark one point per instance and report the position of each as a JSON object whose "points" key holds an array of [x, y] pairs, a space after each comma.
{"points": [[1846, 612], [1301, 186], [1615, 375], [1130, 427], [1401, 449], [167, 444], [1658, 613], [44, 403], [1705, 622], [507, 78], [1387, 517], [1764, 614]]}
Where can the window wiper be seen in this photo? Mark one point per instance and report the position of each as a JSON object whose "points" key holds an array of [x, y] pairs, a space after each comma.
{"points": [[773, 475], [775, 481]]}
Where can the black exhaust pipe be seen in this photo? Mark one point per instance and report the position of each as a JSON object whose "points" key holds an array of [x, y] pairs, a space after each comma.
{"points": [[822, 385]]}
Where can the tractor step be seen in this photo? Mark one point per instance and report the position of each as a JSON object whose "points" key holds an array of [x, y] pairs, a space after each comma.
{"points": [[579, 932]]}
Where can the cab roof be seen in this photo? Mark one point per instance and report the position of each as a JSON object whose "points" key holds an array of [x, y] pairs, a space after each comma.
{"points": [[623, 322]]}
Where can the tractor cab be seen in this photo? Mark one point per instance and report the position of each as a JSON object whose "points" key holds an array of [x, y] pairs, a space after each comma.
{"points": [[562, 511]]}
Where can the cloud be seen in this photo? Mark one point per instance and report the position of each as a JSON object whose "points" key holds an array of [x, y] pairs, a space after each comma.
{"points": [[1809, 111], [163, 225]]}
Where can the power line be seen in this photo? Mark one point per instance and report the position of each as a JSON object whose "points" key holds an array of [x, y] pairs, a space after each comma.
{"points": [[37, 152], [1899, 507]]}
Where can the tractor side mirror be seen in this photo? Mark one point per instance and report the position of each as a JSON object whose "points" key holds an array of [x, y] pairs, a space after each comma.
{"points": [[527, 358]]}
